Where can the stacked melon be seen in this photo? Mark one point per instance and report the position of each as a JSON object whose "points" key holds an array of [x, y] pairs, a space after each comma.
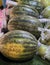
{"points": [[26, 17], [20, 43]]}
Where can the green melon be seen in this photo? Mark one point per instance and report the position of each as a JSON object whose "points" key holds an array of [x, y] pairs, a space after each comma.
{"points": [[34, 3], [45, 3], [37, 5], [26, 23], [18, 45], [23, 9], [46, 12]]}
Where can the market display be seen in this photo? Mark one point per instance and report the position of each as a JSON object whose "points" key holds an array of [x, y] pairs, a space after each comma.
{"points": [[27, 26]]}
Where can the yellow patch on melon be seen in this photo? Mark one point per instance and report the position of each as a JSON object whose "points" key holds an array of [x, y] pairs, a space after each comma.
{"points": [[13, 50]]}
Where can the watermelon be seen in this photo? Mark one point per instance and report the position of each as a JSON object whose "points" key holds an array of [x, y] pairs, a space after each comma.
{"points": [[23, 9], [18, 45], [37, 5], [25, 22]]}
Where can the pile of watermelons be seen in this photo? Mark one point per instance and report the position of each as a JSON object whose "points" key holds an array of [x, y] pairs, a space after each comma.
{"points": [[27, 39]]}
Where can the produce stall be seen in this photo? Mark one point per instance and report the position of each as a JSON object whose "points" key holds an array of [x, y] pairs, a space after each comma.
{"points": [[24, 32]]}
